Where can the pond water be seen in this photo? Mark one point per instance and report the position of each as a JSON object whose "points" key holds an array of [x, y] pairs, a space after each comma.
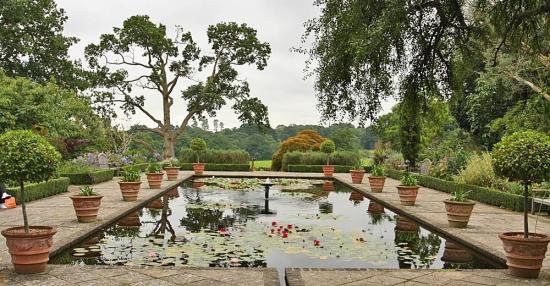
{"points": [[222, 223]]}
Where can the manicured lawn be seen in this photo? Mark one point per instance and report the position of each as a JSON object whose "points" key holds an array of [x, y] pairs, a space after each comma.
{"points": [[262, 164]]}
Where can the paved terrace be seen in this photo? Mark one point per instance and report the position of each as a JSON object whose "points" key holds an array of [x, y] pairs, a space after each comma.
{"points": [[486, 223]]}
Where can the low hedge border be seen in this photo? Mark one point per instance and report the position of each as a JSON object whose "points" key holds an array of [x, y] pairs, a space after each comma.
{"points": [[317, 168], [41, 190], [217, 167], [90, 178], [481, 194]]}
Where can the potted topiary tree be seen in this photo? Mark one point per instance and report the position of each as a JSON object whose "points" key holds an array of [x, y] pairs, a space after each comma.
{"points": [[377, 178], [154, 175], [172, 168], [524, 157], [328, 147], [198, 145], [27, 157], [130, 184], [357, 174], [86, 204], [408, 189], [459, 209]]}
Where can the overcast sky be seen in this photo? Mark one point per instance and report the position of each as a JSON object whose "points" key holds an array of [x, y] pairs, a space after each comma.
{"points": [[280, 86]]}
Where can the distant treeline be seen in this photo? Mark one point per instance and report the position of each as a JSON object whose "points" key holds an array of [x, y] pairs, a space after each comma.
{"points": [[259, 143]]}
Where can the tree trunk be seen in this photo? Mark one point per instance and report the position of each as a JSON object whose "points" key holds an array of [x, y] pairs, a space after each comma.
{"points": [[169, 146], [24, 206], [525, 220]]}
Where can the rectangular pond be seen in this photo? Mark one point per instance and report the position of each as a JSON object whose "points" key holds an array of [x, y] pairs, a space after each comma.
{"points": [[221, 222]]}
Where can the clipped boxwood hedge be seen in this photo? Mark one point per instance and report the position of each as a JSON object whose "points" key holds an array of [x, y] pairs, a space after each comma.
{"points": [[481, 194], [218, 167], [91, 177], [317, 168], [41, 190]]}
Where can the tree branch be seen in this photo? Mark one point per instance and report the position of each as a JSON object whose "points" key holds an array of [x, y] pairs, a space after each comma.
{"points": [[530, 84], [184, 123]]}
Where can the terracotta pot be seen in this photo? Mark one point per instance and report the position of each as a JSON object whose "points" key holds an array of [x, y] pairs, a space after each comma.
{"points": [[131, 220], [356, 196], [29, 251], [86, 207], [328, 170], [524, 256], [407, 194], [154, 180], [377, 183], [198, 168], [172, 173], [197, 184], [129, 190], [458, 213], [375, 208], [406, 224], [155, 204], [454, 253], [357, 176]]}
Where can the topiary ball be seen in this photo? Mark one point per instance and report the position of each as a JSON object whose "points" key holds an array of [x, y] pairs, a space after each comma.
{"points": [[328, 146], [26, 156], [523, 157], [197, 145]]}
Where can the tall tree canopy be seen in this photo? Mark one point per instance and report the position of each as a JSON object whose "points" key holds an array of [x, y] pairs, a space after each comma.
{"points": [[366, 51], [140, 59], [33, 45]]}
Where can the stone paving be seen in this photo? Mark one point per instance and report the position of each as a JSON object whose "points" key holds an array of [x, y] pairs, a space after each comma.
{"points": [[57, 211], [88, 275], [376, 277], [486, 223]]}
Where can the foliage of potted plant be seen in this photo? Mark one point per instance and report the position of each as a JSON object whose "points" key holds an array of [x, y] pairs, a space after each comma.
{"points": [[357, 174], [154, 175], [86, 204], [198, 145], [408, 189], [524, 157], [459, 209], [172, 169], [27, 157], [377, 178], [328, 147], [130, 184]]}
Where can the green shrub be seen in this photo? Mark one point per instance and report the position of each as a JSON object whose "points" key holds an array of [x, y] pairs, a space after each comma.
{"points": [[87, 191], [394, 159], [328, 147], [154, 168], [141, 167], [479, 171], [90, 178], [378, 171], [199, 146], [131, 175], [346, 158], [480, 194], [408, 180], [41, 190], [216, 156], [317, 168], [74, 167], [218, 167]]}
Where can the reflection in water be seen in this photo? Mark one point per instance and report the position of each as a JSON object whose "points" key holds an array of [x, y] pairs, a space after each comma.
{"points": [[223, 228], [356, 197], [197, 184], [455, 255], [328, 186], [413, 247]]}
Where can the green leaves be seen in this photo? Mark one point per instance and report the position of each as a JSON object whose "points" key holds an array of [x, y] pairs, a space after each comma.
{"points": [[327, 147], [26, 156], [523, 156], [408, 180], [197, 145]]}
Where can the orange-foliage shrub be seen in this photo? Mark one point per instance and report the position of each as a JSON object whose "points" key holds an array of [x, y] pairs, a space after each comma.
{"points": [[305, 140]]}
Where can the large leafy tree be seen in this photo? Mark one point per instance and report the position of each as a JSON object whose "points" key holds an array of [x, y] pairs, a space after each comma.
{"points": [[33, 45], [139, 59], [366, 51]]}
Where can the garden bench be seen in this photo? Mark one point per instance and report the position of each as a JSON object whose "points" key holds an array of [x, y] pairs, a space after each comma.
{"points": [[542, 199]]}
